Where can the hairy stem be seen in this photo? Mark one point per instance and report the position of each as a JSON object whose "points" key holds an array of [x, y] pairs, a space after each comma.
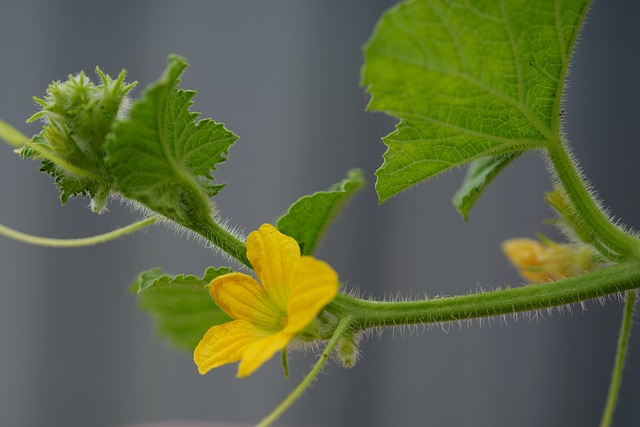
{"points": [[343, 326], [226, 241], [74, 243], [616, 376], [610, 280], [613, 242]]}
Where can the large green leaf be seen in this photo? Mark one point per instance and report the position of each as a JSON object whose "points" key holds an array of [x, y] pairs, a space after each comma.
{"points": [[180, 305], [308, 218], [468, 80], [162, 157]]}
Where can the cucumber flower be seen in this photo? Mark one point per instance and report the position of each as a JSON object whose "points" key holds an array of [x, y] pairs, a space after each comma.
{"points": [[294, 290]]}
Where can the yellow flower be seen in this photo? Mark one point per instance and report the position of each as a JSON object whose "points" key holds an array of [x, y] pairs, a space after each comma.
{"points": [[294, 290], [545, 261]]}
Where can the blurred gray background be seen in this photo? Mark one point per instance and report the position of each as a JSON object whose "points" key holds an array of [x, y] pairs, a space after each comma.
{"points": [[283, 75]]}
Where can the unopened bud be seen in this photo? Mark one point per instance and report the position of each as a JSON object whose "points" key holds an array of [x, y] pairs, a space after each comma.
{"points": [[348, 351], [544, 261]]}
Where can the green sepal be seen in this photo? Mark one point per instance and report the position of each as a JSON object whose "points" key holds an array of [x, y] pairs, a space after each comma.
{"points": [[479, 175], [467, 82], [308, 218], [162, 157], [180, 306], [285, 363]]}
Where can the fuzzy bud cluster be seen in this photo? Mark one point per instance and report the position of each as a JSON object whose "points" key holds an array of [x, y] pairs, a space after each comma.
{"points": [[78, 116]]}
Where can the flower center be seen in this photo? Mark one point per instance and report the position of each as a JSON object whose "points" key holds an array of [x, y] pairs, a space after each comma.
{"points": [[284, 321]]}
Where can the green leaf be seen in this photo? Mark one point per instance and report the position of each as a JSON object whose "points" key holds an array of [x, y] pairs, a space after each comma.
{"points": [[309, 217], [467, 81], [479, 174], [180, 305], [71, 180], [162, 157]]}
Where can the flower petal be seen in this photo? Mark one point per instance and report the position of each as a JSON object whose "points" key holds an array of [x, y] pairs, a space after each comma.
{"points": [[241, 297], [314, 284], [272, 255], [259, 352], [224, 344], [524, 252]]}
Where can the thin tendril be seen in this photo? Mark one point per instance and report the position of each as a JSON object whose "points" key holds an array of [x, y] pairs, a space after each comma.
{"points": [[306, 382], [74, 243], [11, 135], [616, 376]]}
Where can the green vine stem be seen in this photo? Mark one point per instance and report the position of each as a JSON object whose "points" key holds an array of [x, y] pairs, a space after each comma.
{"points": [[74, 243], [216, 234], [342, 327], [371, 314], [616, 376], [592, 222]]}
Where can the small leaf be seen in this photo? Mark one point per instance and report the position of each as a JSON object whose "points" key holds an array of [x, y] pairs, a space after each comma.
{"points": [[162, 157], [309, 217], [180, 305], [71, 180], [479, 175], [468, 81]]}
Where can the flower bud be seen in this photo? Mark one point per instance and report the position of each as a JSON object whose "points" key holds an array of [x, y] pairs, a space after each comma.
{"points": [[544, 261], [348, 351]]}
